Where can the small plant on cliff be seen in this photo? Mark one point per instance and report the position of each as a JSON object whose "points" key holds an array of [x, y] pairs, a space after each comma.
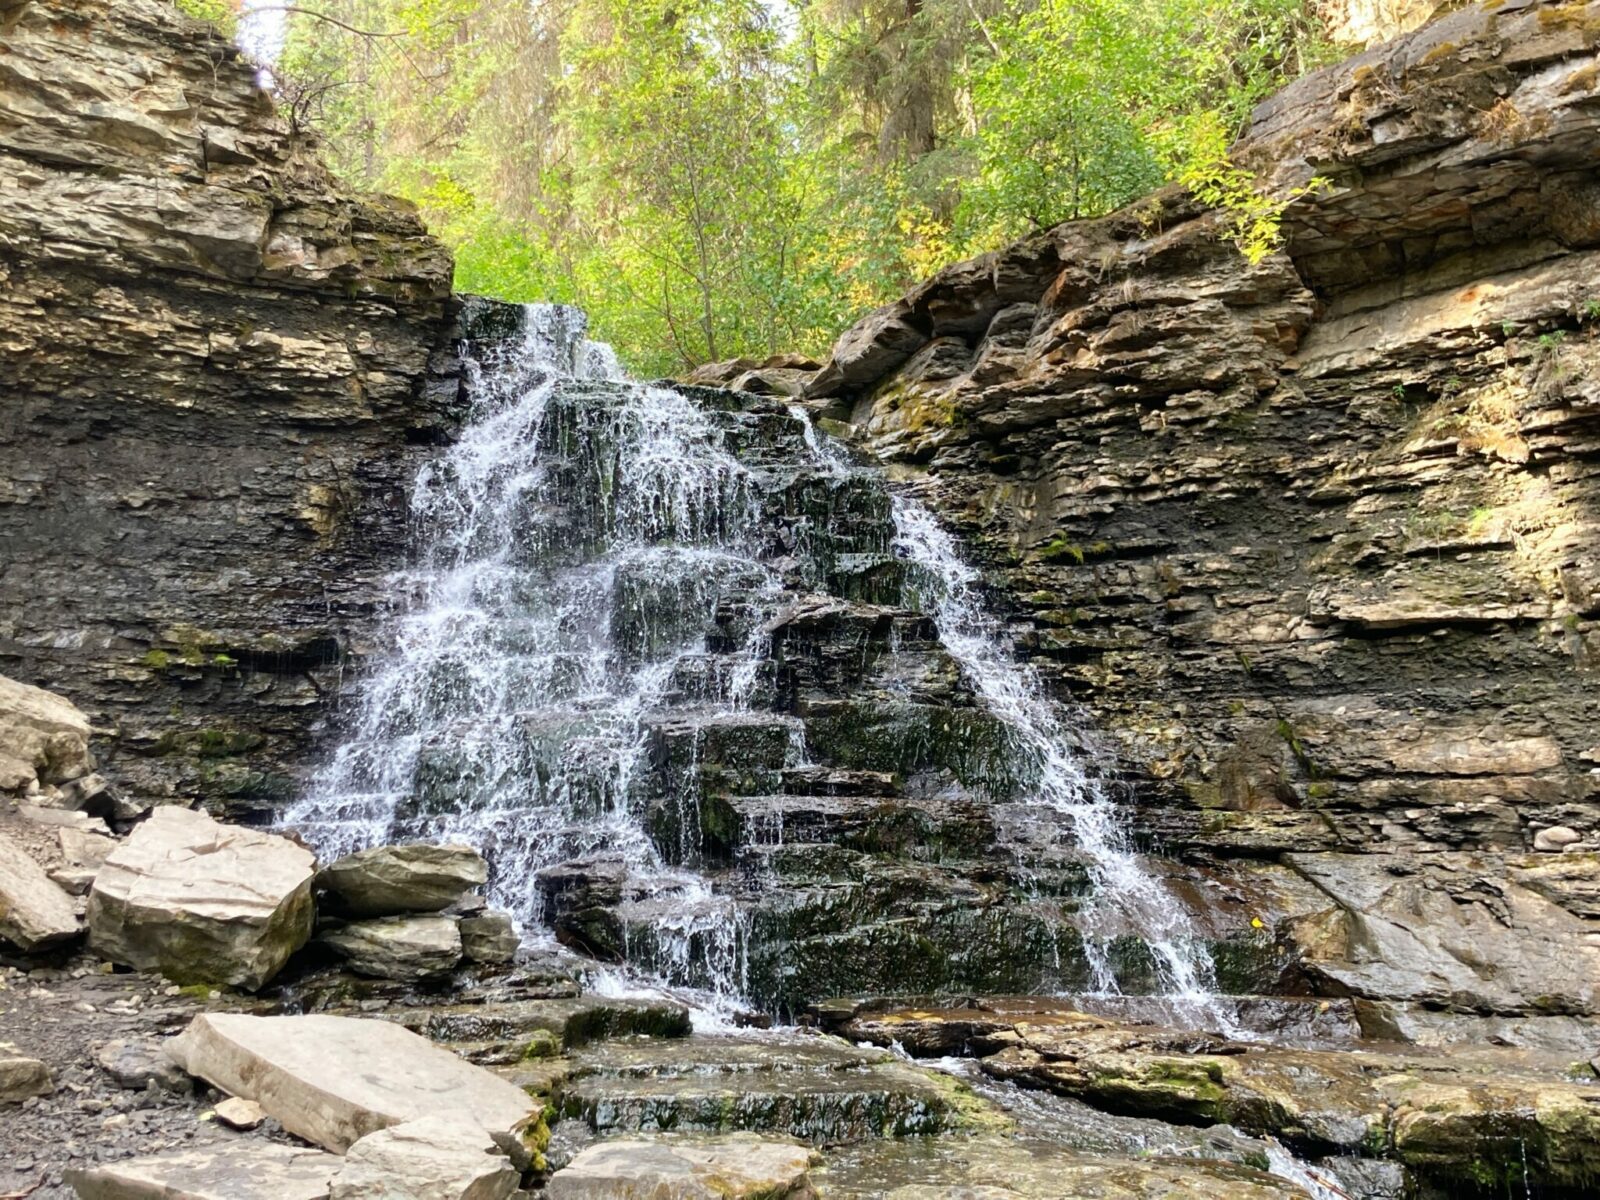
{"points": [[224, 14]]}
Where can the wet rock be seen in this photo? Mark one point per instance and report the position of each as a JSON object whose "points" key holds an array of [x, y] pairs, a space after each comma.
{"points": [[490, 939], [504, 1032], [234, 1170], [387, 880], [410, 949], [202, 902], [136, 1063], [333, 1080], [22, 1077], [44, 739], [735, 1166], [434, 1158], [34, 911]]}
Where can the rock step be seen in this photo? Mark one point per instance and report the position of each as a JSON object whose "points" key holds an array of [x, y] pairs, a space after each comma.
{"points": [[505, 1033], [237, 1169], [919, 829], [812, 780], [816, 1088]]}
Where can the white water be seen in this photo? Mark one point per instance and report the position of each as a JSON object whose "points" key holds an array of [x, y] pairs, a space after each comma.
{"points": [[572, 548], [570, 556], [1063, 798]]}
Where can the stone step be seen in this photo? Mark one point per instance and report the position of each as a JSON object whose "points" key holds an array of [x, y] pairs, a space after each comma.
{"points": [[511, 1032], [816, 1088], [917, 831], [836, 781]]}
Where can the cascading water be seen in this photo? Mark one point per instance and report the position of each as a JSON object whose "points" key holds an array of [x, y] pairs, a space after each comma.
{"points": [[602, 570]]}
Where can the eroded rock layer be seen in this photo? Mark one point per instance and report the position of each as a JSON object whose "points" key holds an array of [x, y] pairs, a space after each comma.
{"points": [[1316, 540], [216, 364]]}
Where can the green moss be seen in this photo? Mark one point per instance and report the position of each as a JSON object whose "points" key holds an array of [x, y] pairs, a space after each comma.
{"points": [[543, 1044], [157, 660]]}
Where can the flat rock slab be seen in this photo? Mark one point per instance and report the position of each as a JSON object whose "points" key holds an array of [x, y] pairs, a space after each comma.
{"points": [[202, 902], [334, 1080], [388, 880], [238, 1169], [34, 911], [436, 1158], [731, 1167]]}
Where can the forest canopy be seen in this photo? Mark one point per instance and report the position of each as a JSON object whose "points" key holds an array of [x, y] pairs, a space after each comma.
{"points": [[720, 178]]}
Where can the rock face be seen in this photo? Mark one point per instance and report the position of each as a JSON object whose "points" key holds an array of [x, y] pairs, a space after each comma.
{"points": [[1315, 541], [202, 902], [334, 1080], [386, 880], [219, 367], [34, 911]]}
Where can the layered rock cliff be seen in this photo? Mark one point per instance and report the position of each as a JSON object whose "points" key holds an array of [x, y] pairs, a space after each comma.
{"points": [[1315, 541], [217, 365]]}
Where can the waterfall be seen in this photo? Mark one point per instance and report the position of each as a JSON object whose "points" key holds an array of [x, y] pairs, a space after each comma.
{"points": [[601, 569]]}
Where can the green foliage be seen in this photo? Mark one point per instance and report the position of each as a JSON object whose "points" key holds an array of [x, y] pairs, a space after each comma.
{"points": [[224, 14], [720, 178]]}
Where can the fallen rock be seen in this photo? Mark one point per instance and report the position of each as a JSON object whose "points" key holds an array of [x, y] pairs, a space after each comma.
{"points": [[725, 1167], [34, 912], [202, 902], [1556, 839], [237, 1113], [388, 880], [333, 1080], [490, 939], [136, 1063], [44, 739], [435, 1158], [23, 1077], [409, 949], [232, 1170]]}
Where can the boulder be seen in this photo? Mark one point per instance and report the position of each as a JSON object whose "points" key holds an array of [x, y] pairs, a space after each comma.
{"points": [[387, 880], [490, 939], [435, 1158], [724, 1167], [202, 902], [409, 949], [22, 1077], [334, 1080], [1556, 839], [44, 739], [233, 1170], [136, 1063], [34, 912]]}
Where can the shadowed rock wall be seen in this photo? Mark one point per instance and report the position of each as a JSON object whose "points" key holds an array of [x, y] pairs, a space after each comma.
{"points": [[216, 365]]}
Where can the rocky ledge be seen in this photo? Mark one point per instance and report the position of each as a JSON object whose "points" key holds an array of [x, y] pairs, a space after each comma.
{"points": [[219, 367]]}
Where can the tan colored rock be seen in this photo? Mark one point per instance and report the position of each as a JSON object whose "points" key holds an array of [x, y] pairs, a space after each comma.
{"points": [[490, 939], [730, 1167], [237, 1113], [334, 1080], [232, 1170], [434, 1158], [202, 902], [387, 880], [34, 911], [44, 739], [410, 949], [1556, 839], [22, 1077]]}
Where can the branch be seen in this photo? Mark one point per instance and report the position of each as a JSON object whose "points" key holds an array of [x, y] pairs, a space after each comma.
{"points": [[306, 12]]}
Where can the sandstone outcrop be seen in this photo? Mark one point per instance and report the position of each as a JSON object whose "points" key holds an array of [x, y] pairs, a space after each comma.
{"points": [[388, 880], [1314, 541], [202, 902], [219, 368]]}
